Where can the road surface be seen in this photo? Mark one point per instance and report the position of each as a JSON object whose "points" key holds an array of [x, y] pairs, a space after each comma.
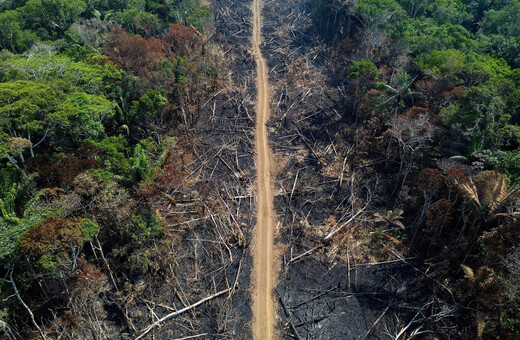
{"points": [[264, 273]]}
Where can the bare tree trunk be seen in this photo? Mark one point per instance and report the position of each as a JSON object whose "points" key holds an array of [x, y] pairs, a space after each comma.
{"points": [[29, 311], [174, 314], [7, 330], [333, 232], [14, 163], [106, 263]]}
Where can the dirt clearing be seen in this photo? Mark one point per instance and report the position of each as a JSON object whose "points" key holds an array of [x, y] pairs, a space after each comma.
{"points": [[264, 310]]}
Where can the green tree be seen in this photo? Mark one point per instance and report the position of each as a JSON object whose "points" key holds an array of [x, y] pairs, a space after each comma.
{"points": [[85, 114], [55, 244], [449, 12], [507, 162], [414, 8], [15, 192], [143, 229], [485, 116], [147, 112], [363, 69], [514, 76], [150, 105], [54, 16], [140, 166], [505, 21], [425, 36], [12, 37], [398, 91], [138, 22], [477, 8], [197, 17], [504, 47], [444, 63], [479, 68], [63, 73], [377, 17], [112, 153], [188, 11], [362, 76], [27, 111], [378, 13], [471, 69]]}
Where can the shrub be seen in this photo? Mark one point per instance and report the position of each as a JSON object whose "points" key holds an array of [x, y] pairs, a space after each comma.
{"points": [[57, 242]]}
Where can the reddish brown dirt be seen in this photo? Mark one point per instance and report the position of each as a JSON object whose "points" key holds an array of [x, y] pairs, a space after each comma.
{"points": [[264, 310]]}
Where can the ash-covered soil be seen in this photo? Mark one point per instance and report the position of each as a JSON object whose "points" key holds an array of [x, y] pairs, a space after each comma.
{"points": [[211, 220], [329, 288]]}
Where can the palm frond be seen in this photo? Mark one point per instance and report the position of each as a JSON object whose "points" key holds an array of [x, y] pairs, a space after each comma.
{"points": [[492, 189], [470, 193], [468, 272], [514, 194]]}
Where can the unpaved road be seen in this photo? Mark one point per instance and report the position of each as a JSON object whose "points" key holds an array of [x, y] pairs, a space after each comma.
{"points": [[264, 310]]}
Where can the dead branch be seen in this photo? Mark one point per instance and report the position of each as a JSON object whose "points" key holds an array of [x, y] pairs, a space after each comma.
{"points": [[235, 284], [332, 233], [423, 273], [192, 336], [7, 330], [375, 323], [294, 259], [22, 302], [370, 264], [105, 262], [288, 316], [314, 298], [181, 311]]}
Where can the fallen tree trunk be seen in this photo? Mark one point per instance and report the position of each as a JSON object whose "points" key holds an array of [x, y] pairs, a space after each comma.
{"points": [[174, 314], [333, 232], [289, 317]]}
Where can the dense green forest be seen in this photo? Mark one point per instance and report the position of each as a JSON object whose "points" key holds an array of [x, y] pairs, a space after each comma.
{"points": [[433, 95], [90, 93]]}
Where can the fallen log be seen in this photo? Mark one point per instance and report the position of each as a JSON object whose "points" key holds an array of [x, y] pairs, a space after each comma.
{"points": [[181, 311], [289, 317]]}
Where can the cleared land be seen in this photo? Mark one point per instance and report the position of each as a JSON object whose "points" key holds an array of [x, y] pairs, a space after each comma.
{"points": [[264, 274]]}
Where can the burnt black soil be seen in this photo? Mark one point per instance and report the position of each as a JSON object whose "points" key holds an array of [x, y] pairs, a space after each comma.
{"points": [[215, 200], [323, 299]]}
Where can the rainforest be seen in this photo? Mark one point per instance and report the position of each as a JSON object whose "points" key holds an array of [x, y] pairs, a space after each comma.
{"points": [[259, 169]]}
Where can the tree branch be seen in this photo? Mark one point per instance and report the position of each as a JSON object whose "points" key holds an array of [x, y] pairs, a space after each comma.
{"points": [[29, 311], [174, 314]]}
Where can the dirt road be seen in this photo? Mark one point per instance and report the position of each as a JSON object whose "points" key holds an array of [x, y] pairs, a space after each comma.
{"points": [[264, 310]]}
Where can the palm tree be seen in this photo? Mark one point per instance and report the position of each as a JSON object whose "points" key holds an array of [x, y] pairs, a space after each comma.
{"points": [[390, 218], [487, 193], [398, 91], [13, 192]]}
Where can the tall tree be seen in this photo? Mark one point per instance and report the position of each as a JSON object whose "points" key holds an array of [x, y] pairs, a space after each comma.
{"points": [[54, 16], [12, 37], [377, 17], [85, 114], [26, 111]]}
